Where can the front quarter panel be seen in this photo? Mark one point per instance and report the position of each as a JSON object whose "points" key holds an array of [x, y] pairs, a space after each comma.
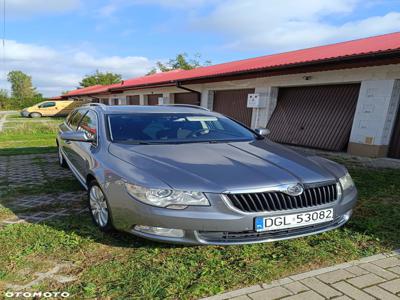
{"points": [[112, 175]]}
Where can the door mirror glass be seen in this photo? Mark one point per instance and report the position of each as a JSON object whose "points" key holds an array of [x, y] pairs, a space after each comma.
{"points": [[76, 136], [263, 131]]}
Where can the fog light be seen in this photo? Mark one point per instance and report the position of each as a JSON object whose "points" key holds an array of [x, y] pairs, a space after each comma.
{"points": [[168, 232], [347, 215]]}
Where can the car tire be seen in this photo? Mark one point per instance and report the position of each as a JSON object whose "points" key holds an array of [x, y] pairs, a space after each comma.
{"points": [[61, 160], [35, 115], [99, 208]]}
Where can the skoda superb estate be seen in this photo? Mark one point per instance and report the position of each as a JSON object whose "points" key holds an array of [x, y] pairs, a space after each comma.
{"points": [[182, 174]]}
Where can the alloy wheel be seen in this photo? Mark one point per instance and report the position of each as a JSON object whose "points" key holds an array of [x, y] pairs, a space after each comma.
{"points": [[98, 206]]}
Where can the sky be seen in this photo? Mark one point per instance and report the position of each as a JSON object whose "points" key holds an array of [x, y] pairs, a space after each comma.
{"points": [[59, 42]]}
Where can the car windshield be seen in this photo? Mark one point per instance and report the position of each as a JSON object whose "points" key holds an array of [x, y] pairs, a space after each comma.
{"points": [[175, 128]]}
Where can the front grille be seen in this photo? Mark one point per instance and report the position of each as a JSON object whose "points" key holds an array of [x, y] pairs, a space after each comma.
{"points": [[276, 201]]}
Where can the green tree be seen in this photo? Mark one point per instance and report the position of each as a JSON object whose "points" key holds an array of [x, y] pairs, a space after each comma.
{"points": [[3, 98], [100, 78], [21, 85], [181, 61]]}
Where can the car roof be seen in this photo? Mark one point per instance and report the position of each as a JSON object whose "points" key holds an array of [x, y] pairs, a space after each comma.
{"points": [[118, 109]]}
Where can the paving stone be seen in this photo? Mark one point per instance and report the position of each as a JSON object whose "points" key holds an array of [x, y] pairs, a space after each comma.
{"points": [[388, 262], [392, 286], [276, 283], [240, 292], [378, 271], [270, 294], [243, 297], [52, 274], [351, 291], [335, 276], [395, 270], [313, 273], [321, 287], [365, 280], [296, 287], [342, 298], [381, 293], [309, 295], [356, 270]]}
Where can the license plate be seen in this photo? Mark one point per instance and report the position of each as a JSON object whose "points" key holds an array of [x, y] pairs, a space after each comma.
{"points": [[293, 220]]}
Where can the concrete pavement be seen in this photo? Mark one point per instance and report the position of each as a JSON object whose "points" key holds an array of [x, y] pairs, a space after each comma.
{"points": [[374, 277]]}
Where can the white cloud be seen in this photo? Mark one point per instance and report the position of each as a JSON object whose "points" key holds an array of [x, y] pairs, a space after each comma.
{"points": [[278, 25], [113, 6], [23, 8], [55, 70]]}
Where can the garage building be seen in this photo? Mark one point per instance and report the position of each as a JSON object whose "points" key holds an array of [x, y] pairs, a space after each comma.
{"points": [[339, 97]]}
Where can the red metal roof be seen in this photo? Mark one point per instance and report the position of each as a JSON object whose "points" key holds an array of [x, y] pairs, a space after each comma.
{"points": [[55, 98], [91, 90], [366, 46]]}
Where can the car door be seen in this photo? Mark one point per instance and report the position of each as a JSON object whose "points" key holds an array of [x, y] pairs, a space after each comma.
{"points": [[69, 146], [48, 108], [83, 150]]}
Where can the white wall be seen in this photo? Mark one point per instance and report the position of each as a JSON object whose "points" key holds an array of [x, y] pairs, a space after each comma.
{"points": [[376, 112]]}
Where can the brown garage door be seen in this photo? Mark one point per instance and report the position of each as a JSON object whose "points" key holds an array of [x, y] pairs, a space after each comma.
{"points": [[394, 148], [315, 116], [133, 100], [153, 99], [233, 103], [187, 98]]}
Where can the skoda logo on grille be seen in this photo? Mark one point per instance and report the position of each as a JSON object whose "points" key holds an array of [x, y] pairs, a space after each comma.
{"points": [[294, 190]]}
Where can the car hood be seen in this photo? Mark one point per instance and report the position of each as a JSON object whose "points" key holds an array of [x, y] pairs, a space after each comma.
{"points": [[222, 167]]}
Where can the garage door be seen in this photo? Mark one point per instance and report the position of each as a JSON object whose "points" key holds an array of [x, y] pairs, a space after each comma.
{"points": [[153, 99], [133, 100], [394, 148], [233, 103], [315, 116], [187, 98]]}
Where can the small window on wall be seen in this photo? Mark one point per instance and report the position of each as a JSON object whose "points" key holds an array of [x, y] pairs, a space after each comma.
{"points": [[104, 101], [115, 101]]}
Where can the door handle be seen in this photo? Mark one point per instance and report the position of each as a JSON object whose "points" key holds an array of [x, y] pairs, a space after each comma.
{"points": [[68, 142]]}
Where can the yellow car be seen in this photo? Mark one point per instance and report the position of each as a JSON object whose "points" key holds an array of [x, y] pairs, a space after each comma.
{"points": [[51, 108]]}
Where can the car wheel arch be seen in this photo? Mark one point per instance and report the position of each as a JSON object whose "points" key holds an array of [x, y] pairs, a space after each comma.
{"points": [[89, 178], [35, 114]]}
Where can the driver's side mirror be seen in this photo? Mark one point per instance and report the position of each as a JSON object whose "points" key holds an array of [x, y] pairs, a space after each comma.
{"points": [[76, 136], [263, 131]]}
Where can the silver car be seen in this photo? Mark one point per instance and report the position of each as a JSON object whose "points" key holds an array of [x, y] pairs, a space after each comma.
{"points": [[183, 174]]}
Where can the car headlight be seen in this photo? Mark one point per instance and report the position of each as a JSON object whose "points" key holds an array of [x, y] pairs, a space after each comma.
{"points": [[174, 199], [346, 181]]}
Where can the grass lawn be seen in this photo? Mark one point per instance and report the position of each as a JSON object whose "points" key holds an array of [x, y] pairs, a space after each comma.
{"points": [[121, 266], [27, 136]]}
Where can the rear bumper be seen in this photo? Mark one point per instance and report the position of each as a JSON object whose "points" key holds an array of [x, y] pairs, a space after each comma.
{"points": [[216, 224]]}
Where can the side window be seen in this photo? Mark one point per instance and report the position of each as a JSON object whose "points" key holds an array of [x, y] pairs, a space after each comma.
{"points": [[76, 118], [47, 104], [89, 124], [69, 118]]}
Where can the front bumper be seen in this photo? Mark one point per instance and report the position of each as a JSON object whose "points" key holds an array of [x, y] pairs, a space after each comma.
{"points": [[217, 224], [24, 113]]}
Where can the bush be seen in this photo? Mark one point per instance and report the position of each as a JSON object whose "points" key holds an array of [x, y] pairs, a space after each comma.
{"points": [[17, 104]]}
